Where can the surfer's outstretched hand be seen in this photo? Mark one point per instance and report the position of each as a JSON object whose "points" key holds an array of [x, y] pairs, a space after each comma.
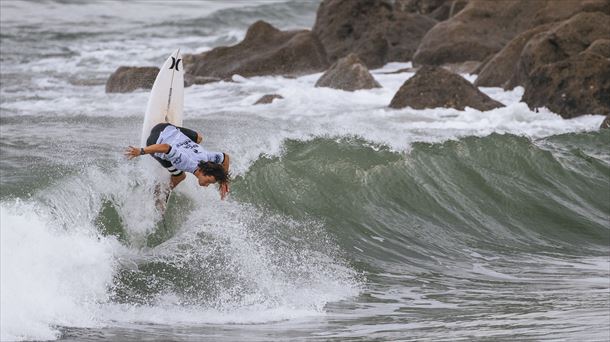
{"points": [[132, 152], [224, 190]]}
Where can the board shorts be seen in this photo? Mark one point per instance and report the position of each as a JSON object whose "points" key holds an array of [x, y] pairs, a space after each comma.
{"points": [[154, 136]]}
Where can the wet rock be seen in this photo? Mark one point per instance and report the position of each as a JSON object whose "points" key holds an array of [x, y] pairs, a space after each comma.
{"points": [[265, 99], [482, 65], [500, 68], [566, 39], [433, 87], [606, 123], [190, 80], [571, 87], [264, 51], [448, 10], [462, 68], [600, 47], [371, 29], [419, 6], [348, 73], [127, 79], [483, 27], [437, 9]]}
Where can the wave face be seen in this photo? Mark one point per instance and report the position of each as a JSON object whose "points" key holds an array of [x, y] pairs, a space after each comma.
{"points": [[447, 230], [487, 232], [498, 193]]}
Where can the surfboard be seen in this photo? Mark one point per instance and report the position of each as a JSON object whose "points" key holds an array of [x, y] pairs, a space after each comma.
{"points": [[165, 104], [166, 100]]}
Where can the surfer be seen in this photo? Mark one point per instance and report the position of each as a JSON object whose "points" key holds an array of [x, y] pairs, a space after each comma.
{"points": [[178, 150]]}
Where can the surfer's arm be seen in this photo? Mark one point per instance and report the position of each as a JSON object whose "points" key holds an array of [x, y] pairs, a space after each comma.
{"points": [[225, 162], [224, 187], [132, 152]]}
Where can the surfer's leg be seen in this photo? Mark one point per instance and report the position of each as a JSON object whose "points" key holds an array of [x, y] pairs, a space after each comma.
{"points": [[194, 136], [168, 165], [154, 133]]}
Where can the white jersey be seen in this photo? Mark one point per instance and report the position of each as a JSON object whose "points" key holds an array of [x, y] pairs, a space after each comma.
{"points": [[185, 154]]}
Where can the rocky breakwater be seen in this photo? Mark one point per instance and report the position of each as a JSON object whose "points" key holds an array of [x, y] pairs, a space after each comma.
{"points": [[264, 51], [564, 66], [373, 30], [434, 87], [484, 27], [436, 9]]}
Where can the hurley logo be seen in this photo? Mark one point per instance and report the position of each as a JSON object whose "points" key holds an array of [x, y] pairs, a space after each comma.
{"points": [[175, 63]]}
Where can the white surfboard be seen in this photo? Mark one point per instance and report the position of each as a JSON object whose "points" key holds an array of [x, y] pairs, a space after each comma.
{"points": [[166, 101], [165, 104]]}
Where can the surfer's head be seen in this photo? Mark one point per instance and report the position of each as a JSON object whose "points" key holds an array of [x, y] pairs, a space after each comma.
{"points": [[209, 173]]}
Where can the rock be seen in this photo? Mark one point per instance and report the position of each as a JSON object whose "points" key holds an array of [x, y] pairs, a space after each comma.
{"points": [[264, 51], [190, 80], [499, 69], [437, 9], [348, 73], [606, 123], [483, 27], [463, 67], [600, 47], [371, 29], [566, 39], [571, 87], [419, 6], [433, 87], [448, 10], [268, 99], [482, 65], [127, 79]]}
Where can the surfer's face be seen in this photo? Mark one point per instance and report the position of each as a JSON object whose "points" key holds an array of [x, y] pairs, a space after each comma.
{"points": [[205, 180]]}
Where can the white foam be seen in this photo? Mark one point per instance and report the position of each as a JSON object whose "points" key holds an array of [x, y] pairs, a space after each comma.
{"points": [[58, 271], [49, 276]]}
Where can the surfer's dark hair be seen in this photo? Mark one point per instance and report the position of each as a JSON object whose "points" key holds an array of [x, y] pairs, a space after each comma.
{"points": [[216, 170]]}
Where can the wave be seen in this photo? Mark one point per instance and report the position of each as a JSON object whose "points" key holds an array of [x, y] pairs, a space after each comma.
{"points": [[495, 193], [92, 249], [303, 229]]}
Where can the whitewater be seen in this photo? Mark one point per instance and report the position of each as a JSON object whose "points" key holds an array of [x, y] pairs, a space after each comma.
{"points": [[347, 219]]}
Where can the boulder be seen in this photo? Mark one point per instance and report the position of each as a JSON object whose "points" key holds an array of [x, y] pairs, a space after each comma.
{"points": [[483, 27], [348, 73], [127, 79], [433, 87], [606, 123], [264, 51], [265, 99], [372, 29], [190, 80], [448, 9], [437, 9], [419, 6], [565, 39], [499, 68], [571, 87], [600, 47]]}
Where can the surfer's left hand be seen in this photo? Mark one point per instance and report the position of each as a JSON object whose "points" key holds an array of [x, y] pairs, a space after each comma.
{"points": [[132, 152], [224, 190]]}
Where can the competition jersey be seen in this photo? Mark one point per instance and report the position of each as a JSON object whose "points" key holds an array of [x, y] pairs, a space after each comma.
{"points": [[184, 153]]}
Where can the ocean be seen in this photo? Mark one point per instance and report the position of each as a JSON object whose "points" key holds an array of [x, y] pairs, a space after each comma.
{"points": [[347, 220]]}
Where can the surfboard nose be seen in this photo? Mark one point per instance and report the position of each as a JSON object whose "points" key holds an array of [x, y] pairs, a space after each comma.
{"points": [[176, 60]]}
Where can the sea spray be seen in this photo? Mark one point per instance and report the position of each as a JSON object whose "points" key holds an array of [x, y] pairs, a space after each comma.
{"points": [[50, 276]]}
